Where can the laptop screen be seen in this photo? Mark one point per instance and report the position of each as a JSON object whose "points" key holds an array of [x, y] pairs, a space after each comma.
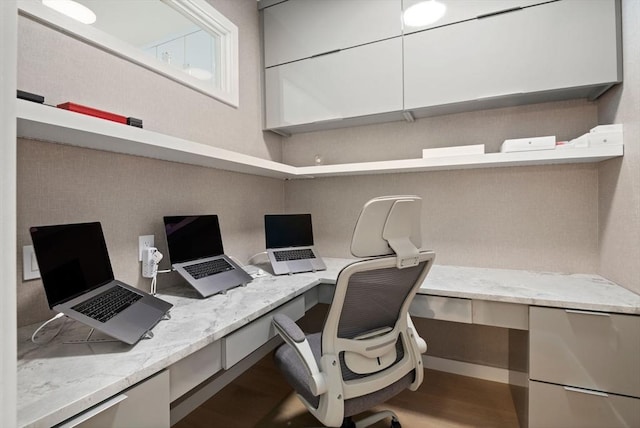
{"points": [[72, 258], [288, 230], [193, 237]]}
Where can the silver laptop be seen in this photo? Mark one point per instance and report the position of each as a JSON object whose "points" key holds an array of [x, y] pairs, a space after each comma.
{"points": [[196, 253], [78, 281], [289, 240]]}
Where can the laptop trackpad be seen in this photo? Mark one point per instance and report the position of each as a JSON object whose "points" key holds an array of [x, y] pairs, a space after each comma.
{"points": [[300, 265]]}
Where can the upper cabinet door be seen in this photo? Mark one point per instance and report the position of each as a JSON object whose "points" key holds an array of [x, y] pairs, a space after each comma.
{"points": [[463, 10], [299, 29], [354, 82], [544, 48]]}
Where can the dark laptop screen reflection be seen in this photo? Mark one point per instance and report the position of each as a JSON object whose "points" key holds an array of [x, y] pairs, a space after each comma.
{"points": [[185, 237], [71, 263], [284, 230]]}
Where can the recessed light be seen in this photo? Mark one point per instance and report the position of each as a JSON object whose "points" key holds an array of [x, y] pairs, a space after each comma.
{"points": [[72, 9], [423, 13]]}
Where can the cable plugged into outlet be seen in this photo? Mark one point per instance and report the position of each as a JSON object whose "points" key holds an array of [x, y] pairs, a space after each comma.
{"points": [[150, 259]]}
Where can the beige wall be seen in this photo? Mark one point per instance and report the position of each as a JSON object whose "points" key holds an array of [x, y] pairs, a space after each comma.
{"points": [[64, 69], [129, 195], [619, 180], [540, 217]]}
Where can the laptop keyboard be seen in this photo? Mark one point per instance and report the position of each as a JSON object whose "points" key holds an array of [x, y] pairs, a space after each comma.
{"points": [[288, 255], [208, 268], [108, 304]]}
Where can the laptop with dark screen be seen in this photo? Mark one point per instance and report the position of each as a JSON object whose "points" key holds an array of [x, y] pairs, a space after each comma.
{"points": [[196, 253], [78, 281], [289, 242]]}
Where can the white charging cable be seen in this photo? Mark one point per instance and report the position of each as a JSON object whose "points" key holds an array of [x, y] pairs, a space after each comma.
{"points": [[33, 336], [150, 259]]}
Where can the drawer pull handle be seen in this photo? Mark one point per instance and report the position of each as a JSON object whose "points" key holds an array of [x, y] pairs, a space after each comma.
{"points": [[500, 12], [326, 53], [575, 311], [586, 391], [93, 411]]}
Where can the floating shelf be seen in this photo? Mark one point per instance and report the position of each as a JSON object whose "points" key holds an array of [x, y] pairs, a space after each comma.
{"points": [[487, 160], [46, 123]]}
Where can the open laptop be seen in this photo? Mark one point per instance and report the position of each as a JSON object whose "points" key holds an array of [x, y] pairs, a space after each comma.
{"points": [[289, 240], [196, 253], [78, 281]]}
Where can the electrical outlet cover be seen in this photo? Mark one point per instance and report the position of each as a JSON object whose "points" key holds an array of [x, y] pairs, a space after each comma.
{"points": [[145, 241]]}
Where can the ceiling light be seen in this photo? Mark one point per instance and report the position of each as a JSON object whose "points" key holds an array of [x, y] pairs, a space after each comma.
{"points": [[423, 13], [72, 9]]}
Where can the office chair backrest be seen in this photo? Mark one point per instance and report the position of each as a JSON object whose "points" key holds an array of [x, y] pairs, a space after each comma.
{"points": [[368, 327]]}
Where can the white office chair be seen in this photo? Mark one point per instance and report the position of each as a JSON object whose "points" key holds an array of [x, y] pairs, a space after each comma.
{"points": [[368, 350]]}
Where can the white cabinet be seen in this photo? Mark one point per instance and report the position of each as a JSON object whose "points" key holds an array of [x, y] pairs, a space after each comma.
{"points": [[463, 10], [144, 405], [297, 29], [583, 368], [244, 341], [327, 64], [568, 47], [353, 82]]}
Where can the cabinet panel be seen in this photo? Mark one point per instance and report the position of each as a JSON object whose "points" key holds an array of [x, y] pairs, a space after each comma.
{"points": [[441, 308], [501, 314], [191, 371], [299, 29], [146, 405], [354, 82], [462, 10], [559, 407], [554, 46], [238, 345], [590, 350]]}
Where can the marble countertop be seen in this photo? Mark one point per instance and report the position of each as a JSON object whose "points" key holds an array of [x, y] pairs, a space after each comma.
{"points": [[575, 291], [56, 380]]}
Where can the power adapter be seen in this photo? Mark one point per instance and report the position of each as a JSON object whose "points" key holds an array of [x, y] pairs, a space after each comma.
{"points": [[150, 259]]}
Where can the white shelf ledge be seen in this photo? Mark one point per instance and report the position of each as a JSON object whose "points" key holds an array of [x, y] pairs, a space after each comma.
{"points": [[487, 160], [46, 123]]}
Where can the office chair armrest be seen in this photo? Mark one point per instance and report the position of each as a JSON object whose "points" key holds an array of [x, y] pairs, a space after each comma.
{"points": [[295, 337], [422, 345]]}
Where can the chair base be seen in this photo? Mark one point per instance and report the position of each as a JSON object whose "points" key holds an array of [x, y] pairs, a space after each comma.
{"points": [[372, 419]]}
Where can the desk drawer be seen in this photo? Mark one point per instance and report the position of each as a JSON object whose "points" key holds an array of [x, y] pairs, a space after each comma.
{"points": [[590, 350], [501, 314], [241, 343], [441, 308], [191, 371], [558, 406], [144, 405]]}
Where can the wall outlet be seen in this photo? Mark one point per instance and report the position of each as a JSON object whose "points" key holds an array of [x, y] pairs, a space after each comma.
{"points": [[30, 269], [145, 241]]}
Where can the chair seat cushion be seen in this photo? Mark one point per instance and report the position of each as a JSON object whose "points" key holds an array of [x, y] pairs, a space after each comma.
{"points": [[294, 371]]}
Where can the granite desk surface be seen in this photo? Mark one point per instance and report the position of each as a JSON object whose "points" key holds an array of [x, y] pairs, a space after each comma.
{"points": [[57, 381]]}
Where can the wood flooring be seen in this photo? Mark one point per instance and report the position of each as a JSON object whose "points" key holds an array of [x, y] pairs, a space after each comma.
{"points": [[261, 398]]}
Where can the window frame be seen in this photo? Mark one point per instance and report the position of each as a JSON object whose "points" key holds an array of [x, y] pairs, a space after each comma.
{"points": [[198, 11]]}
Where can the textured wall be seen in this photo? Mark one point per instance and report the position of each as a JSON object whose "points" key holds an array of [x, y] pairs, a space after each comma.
{"points": [[129, 195], [540, 217], [619, 179], [64, 69]]}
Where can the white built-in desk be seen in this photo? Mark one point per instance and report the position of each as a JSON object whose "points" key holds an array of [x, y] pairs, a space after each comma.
{"points": [[60, 381]]}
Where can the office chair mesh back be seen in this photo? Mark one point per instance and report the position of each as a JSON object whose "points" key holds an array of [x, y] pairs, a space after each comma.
{"points": [[369, 305], [368, 350]]}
